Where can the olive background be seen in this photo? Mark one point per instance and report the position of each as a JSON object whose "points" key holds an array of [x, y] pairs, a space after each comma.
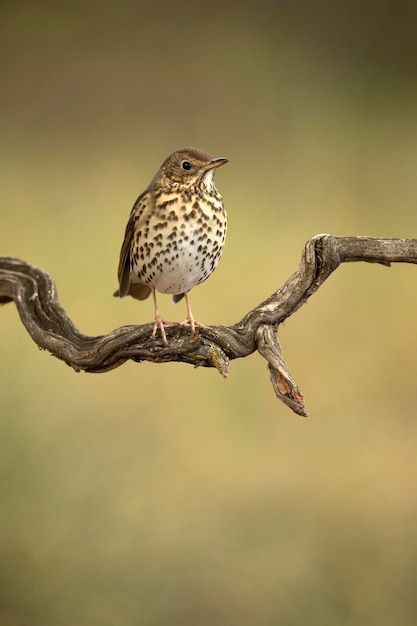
{"points": [[162, 495]]}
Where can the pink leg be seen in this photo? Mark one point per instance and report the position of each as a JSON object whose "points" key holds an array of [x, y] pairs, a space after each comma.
{"points": [[190, 319], [159, 322]]}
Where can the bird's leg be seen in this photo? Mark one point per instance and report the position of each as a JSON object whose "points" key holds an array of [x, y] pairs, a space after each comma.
{"points": [[159, 322], [190, 319]]}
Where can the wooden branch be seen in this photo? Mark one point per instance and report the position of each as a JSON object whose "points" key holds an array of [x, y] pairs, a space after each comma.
{"points": [[36, 299]]}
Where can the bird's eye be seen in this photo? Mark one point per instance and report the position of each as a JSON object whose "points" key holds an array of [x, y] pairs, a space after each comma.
{"points": [[186, 165]]}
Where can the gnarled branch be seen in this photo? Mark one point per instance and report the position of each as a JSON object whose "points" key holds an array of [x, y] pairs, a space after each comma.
{"points": [[36, 299]]}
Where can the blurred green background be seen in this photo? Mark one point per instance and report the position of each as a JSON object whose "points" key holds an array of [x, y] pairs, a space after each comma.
{"points": [[163, 495]]}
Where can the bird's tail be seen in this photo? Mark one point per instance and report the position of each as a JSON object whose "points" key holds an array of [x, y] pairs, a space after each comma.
{"points": [[136, 290], [178, 297]]}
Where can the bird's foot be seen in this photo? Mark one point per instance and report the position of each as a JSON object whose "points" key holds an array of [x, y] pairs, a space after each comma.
{"points": [[161, 323], [190, 321]]}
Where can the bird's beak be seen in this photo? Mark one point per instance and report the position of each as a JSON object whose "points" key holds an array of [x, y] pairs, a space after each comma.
{"points": [[216, 163]]}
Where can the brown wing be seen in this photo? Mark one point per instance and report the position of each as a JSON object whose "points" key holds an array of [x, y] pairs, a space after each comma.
{"points": [[124, 262]]}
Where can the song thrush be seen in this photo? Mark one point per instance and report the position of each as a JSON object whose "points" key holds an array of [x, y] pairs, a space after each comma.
{"points": [[175, 234]]}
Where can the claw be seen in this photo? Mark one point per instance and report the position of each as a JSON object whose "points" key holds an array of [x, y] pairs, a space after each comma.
{"points": [[159, 323], [190, 321]]}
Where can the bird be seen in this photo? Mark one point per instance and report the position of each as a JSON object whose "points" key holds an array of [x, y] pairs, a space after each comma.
{"points": [[175, 234]]}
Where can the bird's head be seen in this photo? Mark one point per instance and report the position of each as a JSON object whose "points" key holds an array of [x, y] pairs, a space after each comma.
{"points": [[188, 166]]}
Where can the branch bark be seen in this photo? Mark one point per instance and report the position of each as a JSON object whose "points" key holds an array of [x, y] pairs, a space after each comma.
{"points": [[35, 295]]}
